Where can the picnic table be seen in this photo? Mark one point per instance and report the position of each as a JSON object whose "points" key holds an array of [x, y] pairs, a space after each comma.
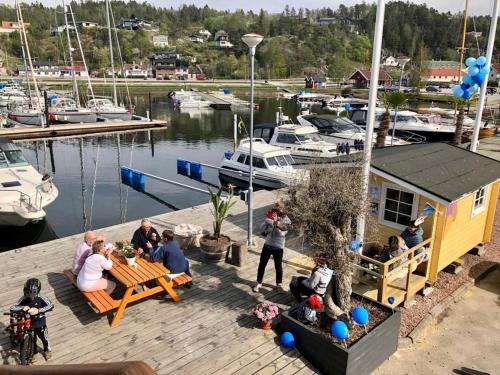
{"points": [[131, 277]]}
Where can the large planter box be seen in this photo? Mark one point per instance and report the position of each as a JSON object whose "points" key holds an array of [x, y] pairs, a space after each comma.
{"points": [[361, 358]]}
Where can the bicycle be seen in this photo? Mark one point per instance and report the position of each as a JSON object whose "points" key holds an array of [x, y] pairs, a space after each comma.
{"points": [[22, 335]]}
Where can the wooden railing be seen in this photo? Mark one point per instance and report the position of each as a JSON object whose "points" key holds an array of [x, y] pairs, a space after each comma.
{"points": [[406, 261]]}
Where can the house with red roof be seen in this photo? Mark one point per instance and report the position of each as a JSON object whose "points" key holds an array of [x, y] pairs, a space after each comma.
{"points": [[440, 75], [360, 78]]}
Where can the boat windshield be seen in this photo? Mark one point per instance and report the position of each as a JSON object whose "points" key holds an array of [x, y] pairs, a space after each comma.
{"points": [[280, 160], [13, 158], [308, 137]]}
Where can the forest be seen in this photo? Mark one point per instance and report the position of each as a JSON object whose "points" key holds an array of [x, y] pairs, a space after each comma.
{"points": [[295, 43]]}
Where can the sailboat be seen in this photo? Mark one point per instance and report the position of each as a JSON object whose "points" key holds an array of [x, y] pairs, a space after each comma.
{"points": [[68, 110], [104, 107]]}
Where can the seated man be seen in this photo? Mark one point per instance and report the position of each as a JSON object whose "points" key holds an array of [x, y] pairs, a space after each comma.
{"points": [[171, 255], [83, 251], [413, 235], [145, 238]]}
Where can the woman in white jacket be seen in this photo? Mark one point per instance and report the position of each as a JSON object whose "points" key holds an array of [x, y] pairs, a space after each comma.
{"points": [[315, 284], [90, 276]]}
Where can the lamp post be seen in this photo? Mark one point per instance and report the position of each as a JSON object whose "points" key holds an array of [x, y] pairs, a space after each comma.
{"points": [[251, 40], [402, 62]]}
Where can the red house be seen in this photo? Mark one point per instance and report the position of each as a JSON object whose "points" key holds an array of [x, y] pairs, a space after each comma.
{"points": [[361, 78]]}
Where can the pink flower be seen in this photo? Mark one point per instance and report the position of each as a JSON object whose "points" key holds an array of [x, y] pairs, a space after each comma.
{"points": [[259, 314]]}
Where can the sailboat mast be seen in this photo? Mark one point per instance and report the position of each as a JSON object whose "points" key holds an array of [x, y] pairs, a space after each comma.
{"points": [[115, 99], [462, 47], [70, 50], [24, 55]]}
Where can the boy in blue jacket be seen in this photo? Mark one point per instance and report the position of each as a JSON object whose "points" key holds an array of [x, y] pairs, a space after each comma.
{"points": [[171, 254]]}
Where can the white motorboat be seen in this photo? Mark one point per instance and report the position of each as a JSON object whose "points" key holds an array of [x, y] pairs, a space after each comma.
{"points": [[13, 97], [65, 111], [304, 142], [193, 101], [27, 116], [335, 129], [24, 193], [407, 121], [273, 166], [103, 107]]}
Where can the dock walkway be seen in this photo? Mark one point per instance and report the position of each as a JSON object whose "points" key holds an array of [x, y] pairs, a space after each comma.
{"points": [[210, 331], [78, 129], [217, 103]]}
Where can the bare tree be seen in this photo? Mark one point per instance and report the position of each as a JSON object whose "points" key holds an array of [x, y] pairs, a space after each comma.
{"points": [[326, 208]]}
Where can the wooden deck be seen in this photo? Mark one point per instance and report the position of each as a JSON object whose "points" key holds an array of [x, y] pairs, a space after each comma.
{"points": [[78, 129], [210, 331]]}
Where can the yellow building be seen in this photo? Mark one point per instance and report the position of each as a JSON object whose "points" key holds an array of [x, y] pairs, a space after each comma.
{"points": [[461, 186]]}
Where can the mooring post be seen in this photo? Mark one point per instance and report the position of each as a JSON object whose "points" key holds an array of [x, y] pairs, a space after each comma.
{"points": [[150, 106], [46, 109]]}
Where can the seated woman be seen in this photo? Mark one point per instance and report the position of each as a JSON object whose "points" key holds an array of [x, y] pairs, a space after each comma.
{"points": [[395, 248], [315, 284], [90, 276]]}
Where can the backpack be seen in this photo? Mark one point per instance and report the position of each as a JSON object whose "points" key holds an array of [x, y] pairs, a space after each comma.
{"points": [[305, 314]]}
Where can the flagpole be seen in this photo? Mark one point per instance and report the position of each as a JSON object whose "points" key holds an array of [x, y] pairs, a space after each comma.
{"points": [[370, 120]]}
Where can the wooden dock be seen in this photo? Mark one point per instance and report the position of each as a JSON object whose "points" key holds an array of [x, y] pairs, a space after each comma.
{"points": [[217, 103], [211, 331], [54, 131]]}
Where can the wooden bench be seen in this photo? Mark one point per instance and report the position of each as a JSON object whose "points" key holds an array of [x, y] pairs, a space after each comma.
{"points": [[99, 299], [181, 279]]}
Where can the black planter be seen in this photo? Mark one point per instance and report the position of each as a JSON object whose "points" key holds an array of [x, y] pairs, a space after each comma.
{"points": [[361, 358]]}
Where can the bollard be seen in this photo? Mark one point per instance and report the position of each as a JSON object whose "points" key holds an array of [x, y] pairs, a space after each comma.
{"points": [[150, 106], [239, 253]]}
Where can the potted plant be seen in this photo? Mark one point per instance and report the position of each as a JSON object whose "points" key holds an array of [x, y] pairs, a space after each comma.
{"points": [[327, 207], [266, 312], [127, 250], [214, 246]]}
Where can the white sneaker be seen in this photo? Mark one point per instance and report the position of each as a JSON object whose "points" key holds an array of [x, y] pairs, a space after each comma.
{"points": [[257, 287], [280, 288]]}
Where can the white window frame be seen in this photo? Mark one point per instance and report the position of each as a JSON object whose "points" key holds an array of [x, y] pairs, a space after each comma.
{"points": [[476, 210], [414, 208]]}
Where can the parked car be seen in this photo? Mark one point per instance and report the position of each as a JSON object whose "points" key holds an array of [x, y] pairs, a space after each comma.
{"points": [[433, 89]]}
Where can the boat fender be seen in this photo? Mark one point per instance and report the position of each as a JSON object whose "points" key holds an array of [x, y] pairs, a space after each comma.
{"points": [[45, 177]]}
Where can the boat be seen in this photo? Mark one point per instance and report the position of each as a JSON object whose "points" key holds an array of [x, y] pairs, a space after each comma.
{"points": [[12, 97], [337, 129], [304, 142], [66, 111], [24, 193], [407, 121], [27, 116], [192, 101], [103, 107], [273, 166]]}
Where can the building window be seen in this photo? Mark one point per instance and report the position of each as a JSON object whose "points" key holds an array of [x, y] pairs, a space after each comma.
{"points": [[479, 201], [398, 206]]}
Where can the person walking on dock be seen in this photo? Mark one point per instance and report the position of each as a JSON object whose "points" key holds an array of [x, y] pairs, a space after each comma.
{"points": [[276, 229]]}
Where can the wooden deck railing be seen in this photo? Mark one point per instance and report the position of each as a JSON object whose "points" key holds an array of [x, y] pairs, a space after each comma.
{"points": [[407, 261]]}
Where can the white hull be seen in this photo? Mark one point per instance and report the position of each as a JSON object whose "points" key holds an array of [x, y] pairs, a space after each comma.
{"points": [[27, 118], [116, 115], [260, 181], [73, 117]]}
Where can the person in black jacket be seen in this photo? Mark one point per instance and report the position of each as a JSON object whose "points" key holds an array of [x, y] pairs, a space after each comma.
{"points": [[145, 238], [36, 305]]}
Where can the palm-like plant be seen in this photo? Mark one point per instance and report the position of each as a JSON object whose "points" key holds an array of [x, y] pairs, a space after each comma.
{"points": [[220, 208], [391, 100]]}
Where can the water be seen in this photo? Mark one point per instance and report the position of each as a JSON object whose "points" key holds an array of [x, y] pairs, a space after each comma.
{"points": [[94, 197]]}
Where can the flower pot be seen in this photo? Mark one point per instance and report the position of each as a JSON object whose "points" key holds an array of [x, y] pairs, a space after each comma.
{"points": [[130, 261], [266, 324], [362, 357], [214, 249]]}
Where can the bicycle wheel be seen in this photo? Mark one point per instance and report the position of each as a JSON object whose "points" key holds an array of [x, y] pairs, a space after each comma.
{"points": [[26, 349]]}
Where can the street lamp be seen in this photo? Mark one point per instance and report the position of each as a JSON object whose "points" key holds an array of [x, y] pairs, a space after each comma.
{"points": [[402, 62], [251, 40]]}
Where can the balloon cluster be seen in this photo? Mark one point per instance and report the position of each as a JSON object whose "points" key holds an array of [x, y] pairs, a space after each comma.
{"points": [[340, 330], [477, 72]]}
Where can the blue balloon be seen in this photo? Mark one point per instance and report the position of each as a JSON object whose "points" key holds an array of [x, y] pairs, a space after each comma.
{"points": [[355, 245], [287, 340], [468, 80], [347, 107], [464, 86], [339, 330], [481, 60], [457, 91], [485, 70], [390, 300], [472, 70], [473, 88], [360, 315], [470, 61], [479, 78], [466, 95]]}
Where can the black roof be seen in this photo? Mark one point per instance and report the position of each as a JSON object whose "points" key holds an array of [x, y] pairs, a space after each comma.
{"points": [[446, 171]]}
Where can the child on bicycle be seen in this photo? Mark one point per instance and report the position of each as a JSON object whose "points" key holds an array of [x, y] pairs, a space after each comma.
{"points": [[36, 305]]}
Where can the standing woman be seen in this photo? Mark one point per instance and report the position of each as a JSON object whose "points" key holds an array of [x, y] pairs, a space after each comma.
{"points": [[274, 245], [90, 276]]}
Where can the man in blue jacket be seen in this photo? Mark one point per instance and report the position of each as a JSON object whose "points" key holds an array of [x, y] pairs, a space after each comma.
{"points": [[171, 254], [413, 235]]}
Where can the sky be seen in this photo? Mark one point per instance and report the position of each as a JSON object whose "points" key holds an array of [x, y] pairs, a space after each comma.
{"points": [[476, 7]]}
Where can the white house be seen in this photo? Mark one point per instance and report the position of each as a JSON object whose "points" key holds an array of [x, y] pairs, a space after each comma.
{"points": [[196, 38], [205, 34], [222, 40], [60, 29], [160, 41], [390, 61], [444, 75], [8, 27], [135, 70], [47, 70]]}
